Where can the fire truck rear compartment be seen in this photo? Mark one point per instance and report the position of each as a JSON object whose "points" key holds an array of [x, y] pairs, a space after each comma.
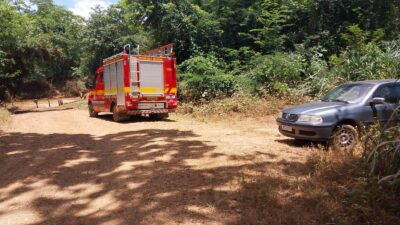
{"points": [[151, 78]]}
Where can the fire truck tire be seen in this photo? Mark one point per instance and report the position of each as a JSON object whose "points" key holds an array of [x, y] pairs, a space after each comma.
{"points": [[158, 116], [92, 113], [119, 117]]}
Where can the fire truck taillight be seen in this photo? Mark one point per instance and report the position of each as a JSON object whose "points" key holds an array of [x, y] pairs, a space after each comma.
{"points": [[134, 95], [170, 96]]}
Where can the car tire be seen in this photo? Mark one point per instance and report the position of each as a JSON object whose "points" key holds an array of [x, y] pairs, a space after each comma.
{"points": [[345, 138], [92, 113]]}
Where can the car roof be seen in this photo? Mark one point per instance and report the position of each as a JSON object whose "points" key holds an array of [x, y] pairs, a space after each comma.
{"points": [[375, 82]]}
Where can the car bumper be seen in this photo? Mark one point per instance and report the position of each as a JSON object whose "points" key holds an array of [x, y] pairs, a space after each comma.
{"points": [[306, 132]]}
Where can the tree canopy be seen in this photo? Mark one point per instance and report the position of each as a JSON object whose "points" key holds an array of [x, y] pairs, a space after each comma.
{"points": [[43, 41]]}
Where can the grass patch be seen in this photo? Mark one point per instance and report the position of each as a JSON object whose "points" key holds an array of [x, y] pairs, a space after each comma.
{"points": [[250, 106], [329, 188], [4, 116]]}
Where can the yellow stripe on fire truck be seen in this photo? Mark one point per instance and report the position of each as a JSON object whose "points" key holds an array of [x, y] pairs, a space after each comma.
{"points": [[151, 89]]}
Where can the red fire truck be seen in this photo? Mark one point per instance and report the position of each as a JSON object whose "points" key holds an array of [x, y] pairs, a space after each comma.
{"points": [[142, 84]]}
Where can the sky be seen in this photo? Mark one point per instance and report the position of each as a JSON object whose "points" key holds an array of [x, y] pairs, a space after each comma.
{"points": [[83, 7]]}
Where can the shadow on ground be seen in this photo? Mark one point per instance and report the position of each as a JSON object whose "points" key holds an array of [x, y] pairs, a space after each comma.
{"points": [[135, 177], [302, 143], [145, 177], [132, 119]]}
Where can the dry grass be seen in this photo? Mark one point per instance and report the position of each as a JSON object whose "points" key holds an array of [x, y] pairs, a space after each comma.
{"points": [[248, 106], [4, 116], [330, 188]]}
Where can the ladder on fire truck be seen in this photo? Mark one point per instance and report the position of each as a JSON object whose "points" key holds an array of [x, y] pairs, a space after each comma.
{"points": [[163, 51]]}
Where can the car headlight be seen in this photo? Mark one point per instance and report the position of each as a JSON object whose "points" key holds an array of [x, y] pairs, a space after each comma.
{"points": [[310, 119], [280, 115]]}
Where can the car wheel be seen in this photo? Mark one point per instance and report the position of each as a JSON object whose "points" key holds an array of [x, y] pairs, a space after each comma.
{"points": [[92, 113], [345, 138]]}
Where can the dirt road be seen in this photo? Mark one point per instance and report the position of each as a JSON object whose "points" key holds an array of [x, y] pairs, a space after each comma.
{"points": [[66, 168]]}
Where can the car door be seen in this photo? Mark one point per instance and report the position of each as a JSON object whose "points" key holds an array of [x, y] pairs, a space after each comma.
{"points": [[391, 94]]}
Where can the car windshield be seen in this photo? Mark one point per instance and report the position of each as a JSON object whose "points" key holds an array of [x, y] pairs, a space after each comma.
{"points": [[348, 93]]}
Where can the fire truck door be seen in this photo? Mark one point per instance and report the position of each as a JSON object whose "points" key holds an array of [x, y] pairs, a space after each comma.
{"points": [[152, 78], [120, 83]]}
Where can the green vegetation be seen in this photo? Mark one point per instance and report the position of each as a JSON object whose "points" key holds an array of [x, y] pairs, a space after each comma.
{"points": [[382, 152], [223, 47], [234, 56]]}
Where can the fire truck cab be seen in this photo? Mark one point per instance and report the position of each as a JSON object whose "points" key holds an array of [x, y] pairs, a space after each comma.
{"points": [[128, 85]]}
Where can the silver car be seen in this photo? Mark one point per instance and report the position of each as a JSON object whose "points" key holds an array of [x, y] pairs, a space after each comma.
{"points": [[340, 116]]}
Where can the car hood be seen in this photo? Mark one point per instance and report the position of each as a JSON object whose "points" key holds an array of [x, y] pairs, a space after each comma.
{"points": [[314, 108]]}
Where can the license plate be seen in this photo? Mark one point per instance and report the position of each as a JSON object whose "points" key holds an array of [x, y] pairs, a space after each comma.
{"points": [[286, 128], [152, 98], [151, 105]]}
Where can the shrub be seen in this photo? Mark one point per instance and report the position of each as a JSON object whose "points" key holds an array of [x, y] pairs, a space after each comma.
{"points": [[205, 78], [73, 88], [277, 74], [319, 79], [36, 89], [4, 94], [375, 62]]}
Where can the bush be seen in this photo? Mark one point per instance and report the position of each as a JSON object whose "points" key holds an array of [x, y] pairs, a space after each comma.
{"points": [[375, 62], [36, 89], [73, 88], [4, 94], [205, 78], [319, 79], [277, 74]]}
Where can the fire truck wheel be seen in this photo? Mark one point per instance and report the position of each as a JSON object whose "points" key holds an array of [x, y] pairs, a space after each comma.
{"points": [[92, 113], [119, 117]]}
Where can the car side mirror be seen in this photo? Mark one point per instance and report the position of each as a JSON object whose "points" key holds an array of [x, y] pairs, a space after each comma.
{"points": [[377, 101]]}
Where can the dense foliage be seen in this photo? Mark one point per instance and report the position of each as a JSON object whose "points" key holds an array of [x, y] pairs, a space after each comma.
{"points": [[222, 46]]}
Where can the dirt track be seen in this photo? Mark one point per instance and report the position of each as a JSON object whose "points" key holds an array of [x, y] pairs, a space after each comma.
{"points": [[66, 168]]}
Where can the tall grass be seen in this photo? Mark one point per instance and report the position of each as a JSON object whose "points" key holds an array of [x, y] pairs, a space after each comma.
{"points": [[4, 116], [382, 151]]}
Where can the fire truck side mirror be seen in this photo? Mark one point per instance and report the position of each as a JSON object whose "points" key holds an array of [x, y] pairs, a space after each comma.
{"points": [[88, 85]]}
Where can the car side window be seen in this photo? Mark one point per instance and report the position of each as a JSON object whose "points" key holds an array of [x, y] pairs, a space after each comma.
{"points": [[394, 93], [390, 92]]}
